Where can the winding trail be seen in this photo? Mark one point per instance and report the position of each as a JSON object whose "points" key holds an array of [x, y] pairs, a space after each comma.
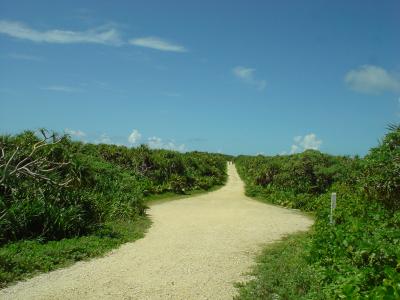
{"points": [[197, 248]]}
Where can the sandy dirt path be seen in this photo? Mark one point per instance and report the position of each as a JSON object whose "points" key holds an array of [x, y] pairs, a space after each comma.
{"points": [[197, 248]]}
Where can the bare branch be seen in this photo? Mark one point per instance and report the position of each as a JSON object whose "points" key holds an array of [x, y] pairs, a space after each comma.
{"points": [[65, 183], [58, 165], [29, 166], [2, 156], [41, 176], [37, 146], [3, 214], [7, 164]]}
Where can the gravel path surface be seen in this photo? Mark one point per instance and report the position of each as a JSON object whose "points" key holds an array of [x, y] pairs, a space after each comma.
{"points": [[197, 248]]}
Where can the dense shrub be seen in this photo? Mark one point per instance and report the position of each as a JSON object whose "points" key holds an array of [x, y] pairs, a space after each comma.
{"points": [[359, 256], [295, 180], [52, 187], [381, 178]]}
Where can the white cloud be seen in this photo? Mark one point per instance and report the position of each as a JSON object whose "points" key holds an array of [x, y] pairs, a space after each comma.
{"points": [[247, 75], [134, 137], [21, 56], [301, 143], [294, 149], [310, 141], [297, 139], [106, 35], [103, 139], [61, 88], [75, 133], [372, 80], [157, 143], [157, 44], [100, 35], [243, 73]]}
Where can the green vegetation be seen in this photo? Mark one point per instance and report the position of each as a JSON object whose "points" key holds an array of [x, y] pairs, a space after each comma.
{"points": [[282, 272], [356, 258], [22, 259], [63, 201], [171, 196]]}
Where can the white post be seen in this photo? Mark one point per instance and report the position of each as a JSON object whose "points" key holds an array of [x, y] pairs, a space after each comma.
{"points": [[333, 206]]}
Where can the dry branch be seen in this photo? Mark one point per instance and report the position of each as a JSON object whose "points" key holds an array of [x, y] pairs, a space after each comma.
{"points": [[35, 168]]}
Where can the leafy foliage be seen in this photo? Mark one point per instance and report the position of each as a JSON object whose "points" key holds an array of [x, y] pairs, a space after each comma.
{"points": [[382, 174], [26, 258], [63, 201], [296, 180], [359, 256], [74, 188], [292, 279]]}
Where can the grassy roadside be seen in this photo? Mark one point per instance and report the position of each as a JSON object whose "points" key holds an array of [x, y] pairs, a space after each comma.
{"points": [[63, 201], [24, 259], [358, 257], [260, 198], [282, 272], [170, 196]]}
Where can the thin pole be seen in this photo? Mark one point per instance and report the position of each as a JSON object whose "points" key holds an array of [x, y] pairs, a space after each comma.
{"points": [[333, 206]]}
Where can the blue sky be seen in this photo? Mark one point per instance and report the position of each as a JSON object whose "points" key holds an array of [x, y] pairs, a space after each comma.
{"points": [[240, 77]]}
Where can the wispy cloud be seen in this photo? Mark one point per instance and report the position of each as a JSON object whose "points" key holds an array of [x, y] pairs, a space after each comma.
{"points": [[104, 139], [75, 133], [157, 44], [372, 80], [134, 137], [100, 35], [301, 143], [106, 35], [157, 143], [21, 56], [61, 88], [247, 76]]}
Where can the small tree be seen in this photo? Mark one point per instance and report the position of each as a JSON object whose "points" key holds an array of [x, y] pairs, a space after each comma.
{"points": [[381, 180]]}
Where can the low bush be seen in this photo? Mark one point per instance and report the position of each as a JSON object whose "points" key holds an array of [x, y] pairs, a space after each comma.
{"points": [[359, 256], [55, 192]]}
